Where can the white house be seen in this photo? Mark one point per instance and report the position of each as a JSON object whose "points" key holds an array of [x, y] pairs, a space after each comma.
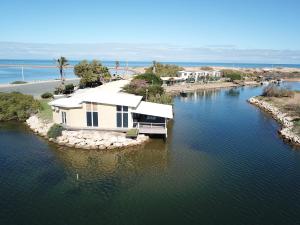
{"points": [[107, 108], [198, 74]]}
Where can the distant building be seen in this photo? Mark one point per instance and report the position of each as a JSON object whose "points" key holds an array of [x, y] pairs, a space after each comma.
{"points": [[198, 74], [191, 76]]}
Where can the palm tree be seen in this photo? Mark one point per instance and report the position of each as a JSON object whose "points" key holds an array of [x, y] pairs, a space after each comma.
{"points": [[117, 67], [62, 63]]}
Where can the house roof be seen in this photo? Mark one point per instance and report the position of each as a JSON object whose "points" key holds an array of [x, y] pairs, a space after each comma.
{"points": [[110, 94], [105, 94], [154, 109]]}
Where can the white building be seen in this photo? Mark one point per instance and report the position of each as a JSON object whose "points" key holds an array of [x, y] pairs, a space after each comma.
{"points": [[198, 74], [107, 108]]}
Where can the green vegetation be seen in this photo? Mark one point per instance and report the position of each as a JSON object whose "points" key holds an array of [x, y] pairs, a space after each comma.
{"points": [[296, 128], [273, 91], [149, 86], [19, 82], [161, 98], [163, 70], [132, 133], [17, 106], [62, 63], [45, 111], [206, 68], [47, 95], [55, 131], [233, 74], [64, 89], [150, 78], [91, 74]]}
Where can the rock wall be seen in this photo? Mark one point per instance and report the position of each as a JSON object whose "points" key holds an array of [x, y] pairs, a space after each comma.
{"points": [[85, 139], [286, 121]]}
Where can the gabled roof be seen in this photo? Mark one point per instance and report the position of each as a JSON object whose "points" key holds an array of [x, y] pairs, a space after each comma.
{"points": [[154, 109]]}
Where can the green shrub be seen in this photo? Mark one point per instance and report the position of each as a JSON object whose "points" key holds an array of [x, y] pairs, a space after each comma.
{"points": [[69, 88], [164, 70], [233, 75], [150, 78], [162, 99], [19, 82], [47, 95], [206, 68], [273, 91], [55, 131], [17, 106]]}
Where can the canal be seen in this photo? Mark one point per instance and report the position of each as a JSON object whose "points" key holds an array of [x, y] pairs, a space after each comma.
{"points": [[223, 163]]}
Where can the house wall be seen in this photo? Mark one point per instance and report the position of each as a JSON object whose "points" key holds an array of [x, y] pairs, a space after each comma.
{"points": [[76, 117]]}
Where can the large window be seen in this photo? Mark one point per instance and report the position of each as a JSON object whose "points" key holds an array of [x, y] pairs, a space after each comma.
{"points": [[91, 115], [122, 116], [64, 117]]}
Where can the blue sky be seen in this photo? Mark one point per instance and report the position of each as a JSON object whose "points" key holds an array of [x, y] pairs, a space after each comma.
{"points": [[232, 28]]}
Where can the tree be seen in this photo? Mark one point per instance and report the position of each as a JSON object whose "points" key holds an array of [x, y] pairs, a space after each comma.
{"points": [[91, 74], [62, 63], [162, 70]]}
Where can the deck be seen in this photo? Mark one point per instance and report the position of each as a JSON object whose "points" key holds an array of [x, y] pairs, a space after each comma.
{"points": [[151, 128]]}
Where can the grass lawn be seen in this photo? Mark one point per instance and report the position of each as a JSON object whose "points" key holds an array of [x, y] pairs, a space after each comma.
{"points": [[46, 111]]}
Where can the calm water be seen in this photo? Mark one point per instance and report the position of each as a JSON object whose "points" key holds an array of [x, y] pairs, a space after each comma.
{"points": [[222, 164], [8, 75]]}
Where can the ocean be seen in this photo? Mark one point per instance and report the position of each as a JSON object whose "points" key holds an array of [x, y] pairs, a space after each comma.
{"points": [[10, 74]]}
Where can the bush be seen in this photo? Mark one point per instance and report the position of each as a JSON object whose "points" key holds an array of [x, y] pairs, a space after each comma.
{"points": [[60, 89], [150, 78], [164, 70], [69, 88], [55, 131], [47, 95], [273, 91], [17, 106], [162, 99], [232, 74], [206, 68], [19, 82]]}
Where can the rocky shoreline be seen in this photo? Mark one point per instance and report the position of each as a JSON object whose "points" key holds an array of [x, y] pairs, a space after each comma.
{"points": [[85, 139], [283, 118]]}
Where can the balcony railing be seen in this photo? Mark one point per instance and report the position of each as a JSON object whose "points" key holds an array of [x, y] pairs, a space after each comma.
{"points": [[151, 128]]}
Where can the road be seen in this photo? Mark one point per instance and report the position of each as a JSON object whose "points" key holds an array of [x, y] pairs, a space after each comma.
{"points": [[36, 89]]}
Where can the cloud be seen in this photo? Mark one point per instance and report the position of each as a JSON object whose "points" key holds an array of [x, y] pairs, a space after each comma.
{"points": [[147, 52]]}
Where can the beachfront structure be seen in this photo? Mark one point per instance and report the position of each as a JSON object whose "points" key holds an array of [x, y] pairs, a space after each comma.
{"points": [[107, 108], [191, 76], [196, 75]]}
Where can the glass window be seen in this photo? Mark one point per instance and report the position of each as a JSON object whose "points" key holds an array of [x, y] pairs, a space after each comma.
{"points": [[89, 119], [95, 119], [119, 108], [125, 119], [64, 117], [125, 108], [119, 119]]}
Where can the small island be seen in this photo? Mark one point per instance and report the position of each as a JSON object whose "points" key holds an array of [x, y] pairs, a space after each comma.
{"points": [[284, 106]]}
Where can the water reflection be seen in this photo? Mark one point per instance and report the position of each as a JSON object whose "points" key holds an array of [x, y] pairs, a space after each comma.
{"points": [[91, 165], [202, 94], [233, 92]]}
